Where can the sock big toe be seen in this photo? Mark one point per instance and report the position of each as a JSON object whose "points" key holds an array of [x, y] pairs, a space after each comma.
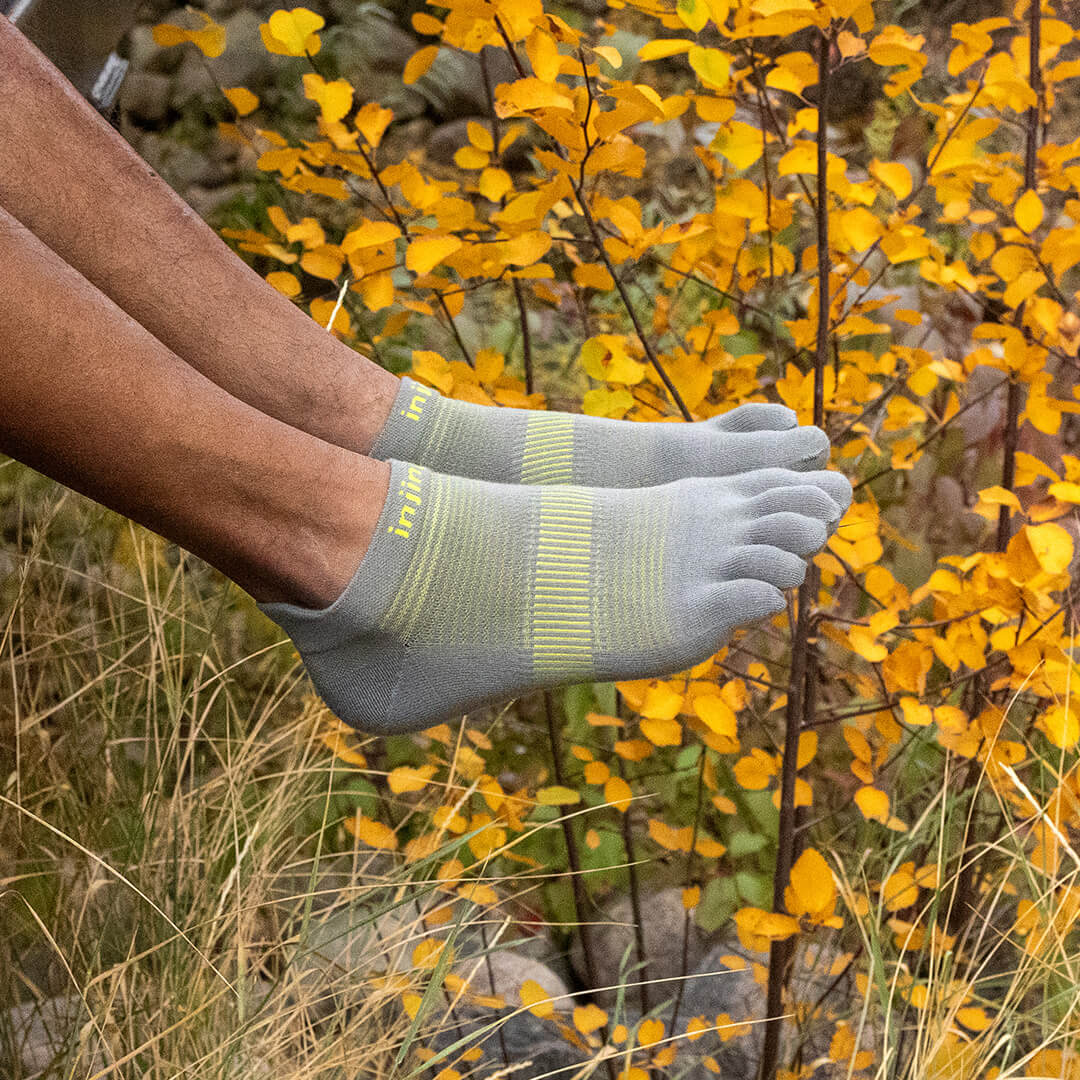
{"points": [[472, 593], [520, 446]]}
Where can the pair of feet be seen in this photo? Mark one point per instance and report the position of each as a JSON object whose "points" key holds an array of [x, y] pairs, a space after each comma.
{"points": [[520, 550]]}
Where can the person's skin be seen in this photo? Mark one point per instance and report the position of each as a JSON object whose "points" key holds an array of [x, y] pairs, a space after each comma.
{"points": [[82, 190], [95, 401]]}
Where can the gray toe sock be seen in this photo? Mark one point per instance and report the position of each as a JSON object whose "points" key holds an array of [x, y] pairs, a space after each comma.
{"points": [[520, 446], [472, 592]]}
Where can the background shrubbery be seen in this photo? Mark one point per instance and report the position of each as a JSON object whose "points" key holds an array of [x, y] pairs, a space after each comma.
{"points": [[858, 820]]}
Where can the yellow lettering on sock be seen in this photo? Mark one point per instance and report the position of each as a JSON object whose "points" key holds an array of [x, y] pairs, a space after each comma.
{"points": [[409, 491]]}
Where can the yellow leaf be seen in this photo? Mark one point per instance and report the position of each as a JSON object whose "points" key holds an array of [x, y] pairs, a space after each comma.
{"points": [[323, 262], [808, 743], [754, 771], [765, 924], [593, 276], [1061, 726], [742, 144], [494, 183], [661, 702], [534, 997], [713, 67], [426, 954], [610, 54], [419, 63], [708, 848], [596, 772], [1028, 211], [333, 98], [557, 795], [617, 793], [669, 838], [662, 47], [407, 778], [611, 403], [468, 157], [433, 368], [525, 249], [424, 254], [292, 33], [650, 1032], [896, 177], [801, 158], [1052, 546], [284, 282], [693, 13], [662, 732], [973, 1018], [341, 749], [604, 357], [849, 45], [480, 136], [241, 99], [691, 897], [527, 95], [812, 891], [372, 120], [489, 365], [872, 803], [373, 833], [717, 714], [369, 234], [899, 891], [861, 228], [589, 1018], [996, 495], [209, 38], [322, 309], [543, 54]]}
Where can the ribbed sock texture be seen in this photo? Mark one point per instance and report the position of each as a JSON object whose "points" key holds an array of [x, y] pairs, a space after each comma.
{"points": [[522, 446], [473, 592]]}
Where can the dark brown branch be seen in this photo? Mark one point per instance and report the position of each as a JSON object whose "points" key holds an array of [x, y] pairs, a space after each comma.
{"points": [[800, 691]]}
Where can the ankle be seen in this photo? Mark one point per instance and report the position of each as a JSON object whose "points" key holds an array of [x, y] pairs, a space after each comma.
{"points": [[311, 561]]}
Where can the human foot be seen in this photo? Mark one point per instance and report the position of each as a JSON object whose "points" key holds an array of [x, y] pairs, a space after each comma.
{"points": [[472, 593], [520, 446]]}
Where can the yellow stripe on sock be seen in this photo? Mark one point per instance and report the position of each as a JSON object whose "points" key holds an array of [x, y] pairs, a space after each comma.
{"points": [[548, 457], [562, 625]]}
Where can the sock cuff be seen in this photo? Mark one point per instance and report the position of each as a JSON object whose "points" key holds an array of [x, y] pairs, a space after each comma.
{"points": [[409, 423], [378, 577]]}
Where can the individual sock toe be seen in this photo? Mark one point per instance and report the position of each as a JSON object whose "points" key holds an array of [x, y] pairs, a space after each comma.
{"points": [[744, 601], [834, 484], [756, 416], [797, 449], [764, 563], [792, 532], [805, 499]]}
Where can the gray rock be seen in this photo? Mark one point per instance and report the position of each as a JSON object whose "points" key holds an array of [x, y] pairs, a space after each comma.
{"points": [[181, 166], [144, 54], [191, 81], [454, 84], [50, 1033], [663, 917], [346, 943], [245, 61], [534, 1046], [145, 95]]}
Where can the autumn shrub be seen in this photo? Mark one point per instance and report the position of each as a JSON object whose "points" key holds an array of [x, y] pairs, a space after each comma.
{"points": [[669, 210]]}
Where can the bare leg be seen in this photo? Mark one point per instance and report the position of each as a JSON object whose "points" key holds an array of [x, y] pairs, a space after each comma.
{"points": [[95, 401], [75, 183]]}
